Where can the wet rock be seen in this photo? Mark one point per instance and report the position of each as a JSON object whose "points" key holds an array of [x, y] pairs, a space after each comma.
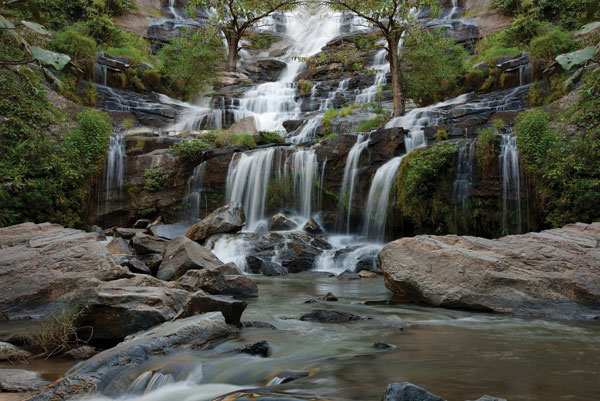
{"points": [[18, 381], [181, 255], [292, 125], [9, 352], [280, 222], [126, 306], [378, 302], [201, 302], [311, 301], [44, 267], [226, 219], [137, 266], [260, 348], [142, 223], [366, 263], [554, 273], [219, 282], [408, 392], [144, 244], [287, 376], [153, 261], [329, 316], [258, 325], [312, 227], [84, 352], [328, 297], [367, 274], [126, 233], [379, 345], [118, 246], [348, 275], [101, 373], [490, 398], [272, 269]]}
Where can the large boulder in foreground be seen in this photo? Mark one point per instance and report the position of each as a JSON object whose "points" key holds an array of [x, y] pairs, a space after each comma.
{"points": [[104, 372], [183, 254], [554, 273], [226, 219], [45, 268]]}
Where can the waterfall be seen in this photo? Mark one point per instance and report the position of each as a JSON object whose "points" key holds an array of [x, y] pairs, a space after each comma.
{"points": [[195, 198], [382, 67], [308, 131], [115, 165], [193, 116], [463, 182], [302, 165], [378, 199], [272, 103], [349, 179], [511, 183]]}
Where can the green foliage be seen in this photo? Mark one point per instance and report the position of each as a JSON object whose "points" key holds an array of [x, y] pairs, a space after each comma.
{"points": [[267, 137], [486, 149], [327, 119], [226, 138], [568, 13], [147, 213], [365, 42], [424, 180], [371, 124], [442, 135], [153, 180], [190, 150], [433, 66], [305, 87], [495, 46], [261, 41], [551, 44], [332, 135], [74, 43], [191, 62]]}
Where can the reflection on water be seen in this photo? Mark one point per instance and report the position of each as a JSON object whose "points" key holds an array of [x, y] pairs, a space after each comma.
{"points": [[457, 355]]}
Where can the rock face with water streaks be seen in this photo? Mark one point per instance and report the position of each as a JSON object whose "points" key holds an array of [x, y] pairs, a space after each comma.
{"points": [[554, 273], [101, 373]]}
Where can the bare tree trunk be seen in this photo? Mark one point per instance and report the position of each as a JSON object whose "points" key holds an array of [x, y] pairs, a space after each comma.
{"points": [[397, 82], [233, 57]]}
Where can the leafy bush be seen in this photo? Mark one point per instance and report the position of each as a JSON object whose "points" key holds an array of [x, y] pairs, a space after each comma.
{"points": [[332, 135], [371, 124], [486, 149], [267, 137], [305, 87], [551, 44], [73, 43], [190, 150], [433, 66], [568, 13], [226, 138], [244, 139], [327, 119], [191, 62], [154, 180]]}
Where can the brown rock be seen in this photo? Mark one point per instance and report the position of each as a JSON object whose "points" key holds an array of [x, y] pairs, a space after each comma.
{"points": [[226, 219], [118, 246], [144, 244], [367, 274], [216, 282], [84, 352], [554, 273], [183, 254], [201, 302]]}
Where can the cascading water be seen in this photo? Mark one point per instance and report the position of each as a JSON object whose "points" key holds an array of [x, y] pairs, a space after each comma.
{"points": [[463, 182], [382, 67], [302, 166], [272, 103], [193, 116], [511, 184], [195, 201], [378, 199], [115, 166], [349, 178]]}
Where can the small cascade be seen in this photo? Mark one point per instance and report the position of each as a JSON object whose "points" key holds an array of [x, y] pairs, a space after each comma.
{"points": [[308, 132], [195, 202], [349, 179], [379, 195], [463, 182], [193, 117], [247, 183], [511, 184], [115, 166], [328, 103], [382, 67], [302, 166]]}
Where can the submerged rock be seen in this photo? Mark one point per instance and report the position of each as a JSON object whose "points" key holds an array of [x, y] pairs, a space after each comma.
{"points": [[328, 297], [408, 392], [554, 273], [226, 219], [18, 381], [260, 348], [329, 316], [101, 373], [183, 254], [348, 275]]}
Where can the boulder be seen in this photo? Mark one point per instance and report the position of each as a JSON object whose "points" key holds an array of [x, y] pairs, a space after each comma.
{"points": [[144, 244], [367, 274], [118, 246], [9, 352], [244, 126], [126, 306], [292, 125], [554, 273], [83, 352], [181, 255], [379, 345], [218, 282], [106, 373], [348, 275], [272, 269], [201, 302], [226, 219], [126, 233], [408, 392], [329, 316], [18, 381], [260, 348], [45, 268], [142, 223], [280, 222], [137, 266], [312, 227]]}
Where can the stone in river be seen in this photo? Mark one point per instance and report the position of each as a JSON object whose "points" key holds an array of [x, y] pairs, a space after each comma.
{"points": [[408, 392]]}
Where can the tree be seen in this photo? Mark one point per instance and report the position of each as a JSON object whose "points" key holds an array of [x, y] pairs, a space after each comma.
{"points": [[391, 18], [235, 17]]}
